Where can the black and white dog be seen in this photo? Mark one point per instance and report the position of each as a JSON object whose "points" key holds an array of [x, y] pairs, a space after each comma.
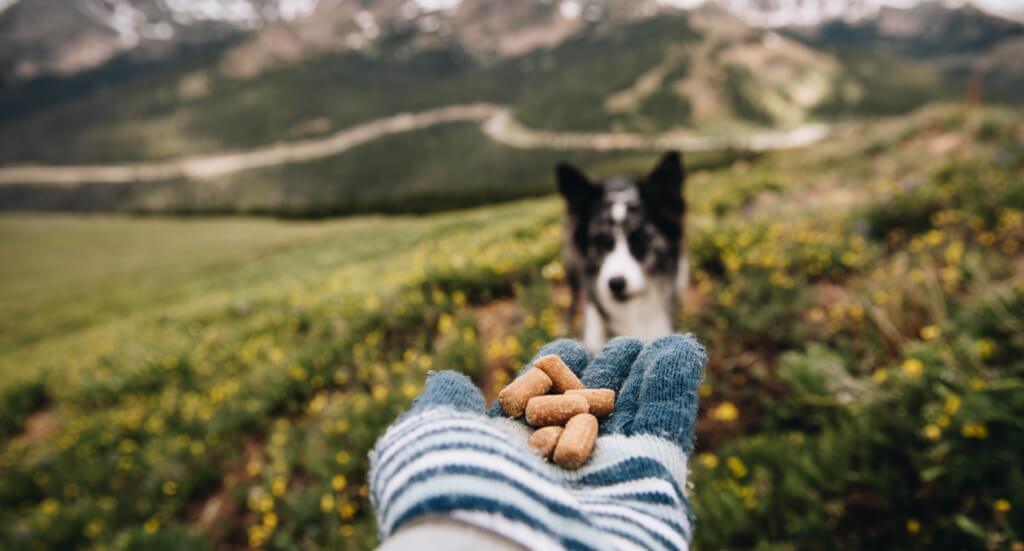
{"points": [[625, 251]]}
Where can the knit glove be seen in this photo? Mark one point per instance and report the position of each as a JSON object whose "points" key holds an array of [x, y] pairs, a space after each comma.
{"points": [[446, 458]]}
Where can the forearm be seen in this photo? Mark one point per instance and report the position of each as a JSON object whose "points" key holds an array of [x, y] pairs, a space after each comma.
{"points": [[446, 533]]}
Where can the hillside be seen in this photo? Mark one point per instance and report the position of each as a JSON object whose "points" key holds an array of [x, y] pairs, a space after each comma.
{"points": [[606, 68], [217, 382], [961, 45]]}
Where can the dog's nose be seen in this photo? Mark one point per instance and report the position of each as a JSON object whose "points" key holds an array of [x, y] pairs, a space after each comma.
{"points": [[618, 286]]}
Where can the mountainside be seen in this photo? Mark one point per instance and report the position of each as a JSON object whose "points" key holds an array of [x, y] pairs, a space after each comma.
{"points": [[926, 30], [703, 70], [597, 68], [39, 37], [964, 45], [64, 37]]}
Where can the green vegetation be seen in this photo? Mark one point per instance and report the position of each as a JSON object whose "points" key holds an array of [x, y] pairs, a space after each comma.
{"points": [[411, 172], [743, 95], [867, 86], [570, 84], [864, 387], [186, 106], [147, 115]]}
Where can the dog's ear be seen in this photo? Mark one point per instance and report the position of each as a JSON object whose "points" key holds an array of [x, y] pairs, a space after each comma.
{"points": [[668, 177], [578, 191], [663, 194], [664, 185]]}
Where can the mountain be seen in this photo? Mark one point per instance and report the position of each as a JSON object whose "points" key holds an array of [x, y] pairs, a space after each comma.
{"points": [[221, 83], [790, 13], [926, 30], [62, 37], [967, 46]]}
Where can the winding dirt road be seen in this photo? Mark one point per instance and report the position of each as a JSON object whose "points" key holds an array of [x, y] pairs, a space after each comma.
{"points": [[496, 122]]}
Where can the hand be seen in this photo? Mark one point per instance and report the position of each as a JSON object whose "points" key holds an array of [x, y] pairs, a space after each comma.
{"points": [[445, 457]]}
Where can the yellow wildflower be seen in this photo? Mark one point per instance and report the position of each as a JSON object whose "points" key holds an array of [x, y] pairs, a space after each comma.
{"points": [[151, 525], [1002, 506], [736, 466], [930, 332], [952, 404], [278, 486], [974, 430], [709, 460], [913, 368], [986, 347], [932, 432], [50, 506], [338, 482], [270, 520], [913, 525], [725, 411], [170, 488]]}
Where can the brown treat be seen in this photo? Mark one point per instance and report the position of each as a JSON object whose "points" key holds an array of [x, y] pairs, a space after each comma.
{"points": [[577, 441], [601, 400], [542, 411], [514, 397], [561, 376], [544, 440]]}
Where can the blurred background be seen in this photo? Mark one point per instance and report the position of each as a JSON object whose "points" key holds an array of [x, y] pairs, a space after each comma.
{"points": [[236, 234]]}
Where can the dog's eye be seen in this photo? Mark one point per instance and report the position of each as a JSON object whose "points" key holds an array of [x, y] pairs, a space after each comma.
{"points": [[604, 242], [638, 244]]}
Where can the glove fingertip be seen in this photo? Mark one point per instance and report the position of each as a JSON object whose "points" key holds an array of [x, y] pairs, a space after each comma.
{"points": [[573, 353], [611, 366], [449, 389], [668, 396]]}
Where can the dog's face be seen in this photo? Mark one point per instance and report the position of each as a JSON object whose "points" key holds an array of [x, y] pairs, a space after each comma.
{"points": [[625, 230]]}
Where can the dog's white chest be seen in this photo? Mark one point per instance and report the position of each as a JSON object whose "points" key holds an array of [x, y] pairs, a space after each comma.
{"points": [[645, 317]]}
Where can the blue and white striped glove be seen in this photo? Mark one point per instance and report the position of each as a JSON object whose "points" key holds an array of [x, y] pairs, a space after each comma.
{"points": [[446, 458]]}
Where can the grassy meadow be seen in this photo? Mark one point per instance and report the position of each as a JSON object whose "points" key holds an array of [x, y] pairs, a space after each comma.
{"points": [[172, 383]]}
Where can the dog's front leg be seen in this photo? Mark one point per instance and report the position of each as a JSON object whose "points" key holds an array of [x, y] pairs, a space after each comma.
{"points": [[594, 332]]}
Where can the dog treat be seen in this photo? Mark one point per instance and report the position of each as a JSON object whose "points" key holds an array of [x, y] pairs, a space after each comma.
{"points": [[544, 440], [561, 376], [577, 441], [514, 397], [543, 411], [566, 419], [600, 400]]}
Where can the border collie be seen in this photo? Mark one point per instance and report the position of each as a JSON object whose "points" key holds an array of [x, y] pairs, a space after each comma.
{"points": [[625, 251]]}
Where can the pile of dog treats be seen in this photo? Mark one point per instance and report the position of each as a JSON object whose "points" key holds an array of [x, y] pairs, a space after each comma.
{"points": [[566, 419]]}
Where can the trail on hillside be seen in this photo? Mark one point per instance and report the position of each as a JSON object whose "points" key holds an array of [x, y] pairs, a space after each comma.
{"points": [[496, 122]]}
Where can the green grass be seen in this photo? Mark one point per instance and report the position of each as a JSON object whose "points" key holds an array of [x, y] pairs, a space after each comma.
{"points": [[864, 385]]}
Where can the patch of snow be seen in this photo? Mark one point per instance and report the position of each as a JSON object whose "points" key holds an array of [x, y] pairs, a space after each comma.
{"points": [[438, 5], [4, 4], [780, 13], [295, 9], [570, 9], [368, 24], [684, 4]]}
